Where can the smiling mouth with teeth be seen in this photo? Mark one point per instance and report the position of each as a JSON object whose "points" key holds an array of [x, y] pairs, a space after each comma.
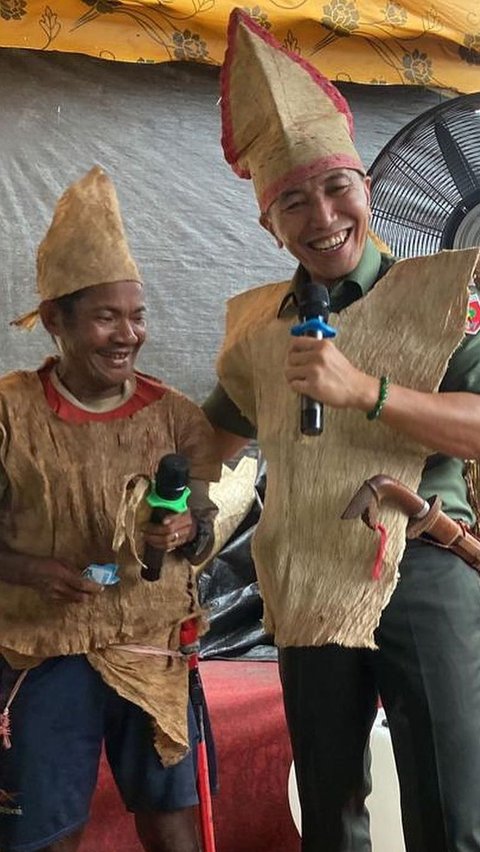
{"points": [[336, 241], [116, 357]]}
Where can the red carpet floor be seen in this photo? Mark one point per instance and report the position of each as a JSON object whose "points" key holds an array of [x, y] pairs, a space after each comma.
{"points": [[251, 811]]}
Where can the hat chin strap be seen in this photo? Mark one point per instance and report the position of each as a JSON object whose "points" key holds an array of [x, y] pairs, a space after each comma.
{"points": [[27, 321], [378, 243]]}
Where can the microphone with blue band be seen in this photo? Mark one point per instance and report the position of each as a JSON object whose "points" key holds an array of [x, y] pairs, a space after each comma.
{"points": [[313, 302]]}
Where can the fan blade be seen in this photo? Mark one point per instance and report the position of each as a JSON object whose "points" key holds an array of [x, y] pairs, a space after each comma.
{"points": [[464, 178], [425, 190]]}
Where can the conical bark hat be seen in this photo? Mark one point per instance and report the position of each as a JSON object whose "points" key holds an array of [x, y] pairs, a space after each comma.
{"points": [[282, 120], [85, 245]]}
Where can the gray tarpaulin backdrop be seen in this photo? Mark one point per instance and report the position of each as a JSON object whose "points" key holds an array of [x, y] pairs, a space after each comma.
{"points": [[192, 224]]}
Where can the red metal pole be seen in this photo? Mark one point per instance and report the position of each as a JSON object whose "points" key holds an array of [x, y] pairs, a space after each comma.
{"points": [[189, 642]]}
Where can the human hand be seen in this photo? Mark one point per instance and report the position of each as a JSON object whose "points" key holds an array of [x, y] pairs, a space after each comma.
{"points": [[316, 368], [174, 531], [55, 581]]}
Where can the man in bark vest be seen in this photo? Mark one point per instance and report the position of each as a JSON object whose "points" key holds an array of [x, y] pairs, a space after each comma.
{"points": [[83, 663], [348, 625]]}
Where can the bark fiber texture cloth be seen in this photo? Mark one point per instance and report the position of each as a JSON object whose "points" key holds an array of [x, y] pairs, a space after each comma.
{"points": [[85, 244], [287, 123], [63, 502], [315, 571]]}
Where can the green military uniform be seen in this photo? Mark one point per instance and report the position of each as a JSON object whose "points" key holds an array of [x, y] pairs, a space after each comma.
{"points": [[426, 667], [442, 475]]}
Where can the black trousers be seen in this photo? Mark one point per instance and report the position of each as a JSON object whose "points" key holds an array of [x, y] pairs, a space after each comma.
{"points": [[427, 672]]}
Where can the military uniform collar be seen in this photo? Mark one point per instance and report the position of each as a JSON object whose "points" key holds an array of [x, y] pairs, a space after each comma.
{"points": [[344, 292]]}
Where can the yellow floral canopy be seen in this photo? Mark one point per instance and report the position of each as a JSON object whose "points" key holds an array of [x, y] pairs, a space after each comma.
{"points": [[435, 44]]}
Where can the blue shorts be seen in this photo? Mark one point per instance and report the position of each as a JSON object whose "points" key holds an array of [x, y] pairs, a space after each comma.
{"points": [[60, 717]]}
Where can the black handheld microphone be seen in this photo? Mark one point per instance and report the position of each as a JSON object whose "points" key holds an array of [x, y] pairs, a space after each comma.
{"points": [[170, 494], [313, 303]]}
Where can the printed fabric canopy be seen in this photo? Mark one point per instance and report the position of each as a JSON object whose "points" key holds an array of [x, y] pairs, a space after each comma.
{"points": [[435, 44]]}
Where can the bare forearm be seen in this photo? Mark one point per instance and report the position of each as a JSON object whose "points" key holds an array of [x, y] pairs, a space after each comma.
{"points": [[447, 423], [228, 444], [199, 501], [204, 511], [50, 578], [14, 567]]}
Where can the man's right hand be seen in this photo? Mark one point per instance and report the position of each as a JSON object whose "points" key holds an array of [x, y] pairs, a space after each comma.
{"points": [[54, 581]]}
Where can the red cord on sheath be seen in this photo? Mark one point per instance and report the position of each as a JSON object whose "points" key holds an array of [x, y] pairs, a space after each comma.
{"points": [[382, 546]]}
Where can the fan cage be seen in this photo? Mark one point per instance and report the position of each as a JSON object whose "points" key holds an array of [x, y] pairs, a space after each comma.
{"points": [[427, 180]]}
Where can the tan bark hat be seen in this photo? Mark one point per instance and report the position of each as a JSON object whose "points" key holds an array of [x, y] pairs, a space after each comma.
{"points": [[85, 245], [282, 121]]}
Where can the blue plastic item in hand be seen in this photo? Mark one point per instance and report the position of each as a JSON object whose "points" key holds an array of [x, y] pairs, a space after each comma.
{"points": [[316, 324], [105, 575]]}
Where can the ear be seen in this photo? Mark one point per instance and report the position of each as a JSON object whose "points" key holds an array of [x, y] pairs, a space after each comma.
{"points": [[266, 223], [367, 181], [51, 317]]}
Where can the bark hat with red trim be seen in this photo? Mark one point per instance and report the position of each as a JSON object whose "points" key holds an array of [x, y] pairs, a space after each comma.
{"points": [[85, 245], [282, 121]]}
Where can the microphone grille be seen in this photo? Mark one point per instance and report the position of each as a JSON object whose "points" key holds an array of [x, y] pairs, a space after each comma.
{"points": [[172, 473], [313, 300]]}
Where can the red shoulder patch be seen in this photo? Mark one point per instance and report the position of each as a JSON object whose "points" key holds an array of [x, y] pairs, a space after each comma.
{"points": [[473, 315]]}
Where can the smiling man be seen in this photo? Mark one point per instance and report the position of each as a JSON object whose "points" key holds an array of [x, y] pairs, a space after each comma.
{"points": [[345, 630], [83, 664], [323, 222]]}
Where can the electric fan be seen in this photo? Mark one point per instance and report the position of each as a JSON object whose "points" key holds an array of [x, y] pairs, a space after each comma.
{"points": [[426, 181]]}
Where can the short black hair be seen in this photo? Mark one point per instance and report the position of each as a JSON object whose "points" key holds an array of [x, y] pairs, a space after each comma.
{"points": [[67, 303]]}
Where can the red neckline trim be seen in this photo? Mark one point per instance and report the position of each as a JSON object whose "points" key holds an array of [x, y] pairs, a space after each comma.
{"points": [[147, 390]]}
